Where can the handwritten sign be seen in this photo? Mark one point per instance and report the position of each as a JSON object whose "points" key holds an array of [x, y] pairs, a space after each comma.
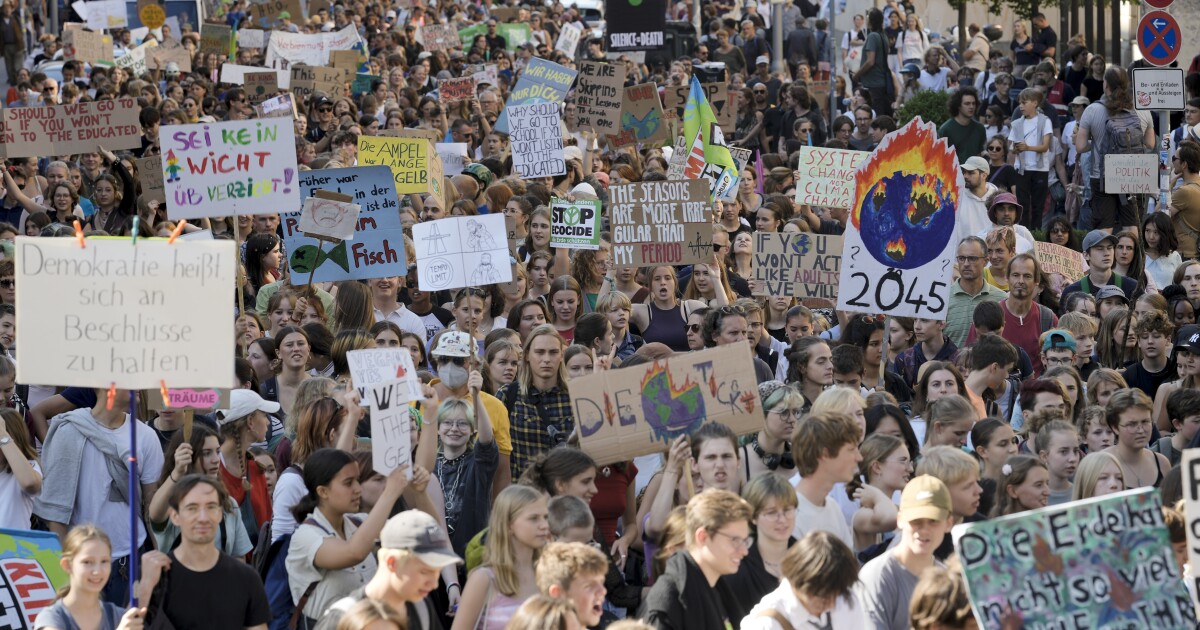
{"points": [[329, 217], [135, 60], [102, 14], [537, 144], [723, 103], [68, 129], [462, 251], [88, 47], [661, 223], [391, 429], [188, 398], [541, 82], [377, 250], [268, 13], [151, 177], [215, 38], [455, 90], [229, 168], [383, 366], [170, 51], [642, 116], [252, 38], [282, 106], [439, 37], [30, 574], [484, 73], [568, 39], [1191, 508], [125, 314], [286, 49], [453, 155], [349, 60], [637, 411], [598, 96], [415, 166], [1133, 174], [797, 264], [308, 79], [1061, 260], [575, 225], [1105, 562], [260, 86], [825, 177], [235, 74]]}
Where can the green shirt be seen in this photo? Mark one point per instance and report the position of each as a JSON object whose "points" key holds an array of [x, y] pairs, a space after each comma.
{"points": [[960, 313], [968, 140]]}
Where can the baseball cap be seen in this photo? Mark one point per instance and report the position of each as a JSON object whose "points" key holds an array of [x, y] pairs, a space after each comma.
{"points": [[976, 163], [1188, 338], [1060, 339], [910, 68], [762, 59], [925, 497], [455, 343], [418, 532], [1105, 291], [572, 153], [243, 402], [1096, 237], [1081, 100], [322, 100]]}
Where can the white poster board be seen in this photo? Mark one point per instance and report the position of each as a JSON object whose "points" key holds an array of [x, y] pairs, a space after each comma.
{"points": [[391, 428], [459, 252], [454, 156], [537, 141], [376, 366], [285, 49], [130, 315], [1135, 174], [329, 217], [1191, 511], [568, 39]]}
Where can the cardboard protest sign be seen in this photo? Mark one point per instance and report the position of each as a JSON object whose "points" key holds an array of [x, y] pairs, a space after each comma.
{"points": [[286, 49], [1105, 562], [68, 129], [642, 116], [188, 398], [635, 26], [308, 79], [679, 158], [899, 242], [159, 56], [797, 264], [415, 166], [541, 82], [229, 168], [88, 47], [133, 315], [282, 106], [568, 39], [1134, 174], [536, 136], [135, 60], [268, 13], [150, 175], [235, 74], [391, 429], [348, 60], [453, 156], [260, 86], [455, 90], [1191, 508], [252, 38], [334, 218], [459, 252], [438, 37], [504, 14], [635, 411], [724, 104], [598, 96], [1061, 260], [485, 73], [30, 575], [825, 177], [660, 223], [382, 366], [575, 225], [215, 38], [377, 250]]}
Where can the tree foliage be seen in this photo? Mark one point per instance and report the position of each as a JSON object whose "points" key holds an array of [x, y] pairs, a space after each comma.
{"points": [[929, 105]]}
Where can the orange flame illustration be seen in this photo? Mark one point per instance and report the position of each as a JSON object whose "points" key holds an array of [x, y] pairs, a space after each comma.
{"points": [[897, 249], [914, 149], [661, 368]]}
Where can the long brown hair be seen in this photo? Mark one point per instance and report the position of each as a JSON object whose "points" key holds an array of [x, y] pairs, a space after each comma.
{"points": [[14, 423]]}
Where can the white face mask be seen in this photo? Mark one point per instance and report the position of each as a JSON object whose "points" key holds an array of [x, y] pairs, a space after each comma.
{"points": [[453, 376]]}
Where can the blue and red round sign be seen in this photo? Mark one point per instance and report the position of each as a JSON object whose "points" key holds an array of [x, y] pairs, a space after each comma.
{"points": [[1159, 38]]}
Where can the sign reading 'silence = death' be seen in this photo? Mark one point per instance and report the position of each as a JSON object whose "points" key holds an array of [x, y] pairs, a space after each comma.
{"points": [[797, 264]]}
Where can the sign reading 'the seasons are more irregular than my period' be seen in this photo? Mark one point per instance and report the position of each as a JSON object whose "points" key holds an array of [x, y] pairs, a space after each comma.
{"points": [[625, 413], [899, 244], [229, 168], [661, 223], [127, 315]]}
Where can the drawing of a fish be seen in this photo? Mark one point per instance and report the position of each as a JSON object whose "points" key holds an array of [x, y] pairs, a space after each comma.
{"points": [[309, 257]]}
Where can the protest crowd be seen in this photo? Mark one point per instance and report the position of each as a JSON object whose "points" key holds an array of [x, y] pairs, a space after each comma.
{"points": [[840, 446]]}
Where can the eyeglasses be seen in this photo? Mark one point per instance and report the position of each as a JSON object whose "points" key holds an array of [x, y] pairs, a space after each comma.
{"points": [[456, 424], [969, 260], [794, 414], [1144, 425], [459, 361], [741, 543], [759, 91]]}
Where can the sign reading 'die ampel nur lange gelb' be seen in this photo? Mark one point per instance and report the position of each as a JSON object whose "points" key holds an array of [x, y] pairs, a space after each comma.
{"points": [[68, 129], [1105, 562], [825, 177], [661, 223], [229, 168], [797, 264], [125, 314], [636, 411]]}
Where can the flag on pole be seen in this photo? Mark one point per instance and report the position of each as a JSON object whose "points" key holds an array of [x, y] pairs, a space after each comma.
{"points": [[707, 154], [759, 171]]}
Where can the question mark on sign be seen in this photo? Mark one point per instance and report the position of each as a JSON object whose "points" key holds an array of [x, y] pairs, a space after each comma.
{"points": [[854, 252], [944, 264]]}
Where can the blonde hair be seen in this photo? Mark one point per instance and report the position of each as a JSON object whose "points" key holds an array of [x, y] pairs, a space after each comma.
{"points": [[1087, 473], [75, 539], [562, 562], [545, 613], [499, 553], [949, 464], [768, 486], [838, 400], [368, 611], [713, 509]]}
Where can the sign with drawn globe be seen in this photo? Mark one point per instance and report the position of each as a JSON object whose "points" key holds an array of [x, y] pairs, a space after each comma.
{"points": [[899, 244]]}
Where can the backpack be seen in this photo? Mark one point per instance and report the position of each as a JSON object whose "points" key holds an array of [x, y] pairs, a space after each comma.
{"points": [[1123, 135], [287, 614]]}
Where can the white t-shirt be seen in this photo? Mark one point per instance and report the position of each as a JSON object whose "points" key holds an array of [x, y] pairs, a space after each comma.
{"points": [[91, 498], [848, 612], [407, 320], [288, 491], [16, 507], [333, 584], [936, 82], [828, 517], [1032, 132]]}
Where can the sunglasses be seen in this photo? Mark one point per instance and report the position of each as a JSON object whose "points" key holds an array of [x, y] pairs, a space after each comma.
{"points": [[7, 284], [459, 361], [692, 328], [324, 110]]}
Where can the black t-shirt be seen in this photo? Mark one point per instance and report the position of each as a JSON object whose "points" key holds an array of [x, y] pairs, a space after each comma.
{"points": [[1138, 376], [1005, 178], [229, 595]]}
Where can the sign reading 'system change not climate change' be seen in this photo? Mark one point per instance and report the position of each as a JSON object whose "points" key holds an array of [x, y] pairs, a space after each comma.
{"points": [[126, 314], [229, 168]]}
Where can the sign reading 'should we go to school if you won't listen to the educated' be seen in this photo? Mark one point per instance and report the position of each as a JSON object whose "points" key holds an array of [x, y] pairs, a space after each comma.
{"points": [[113, 312]]}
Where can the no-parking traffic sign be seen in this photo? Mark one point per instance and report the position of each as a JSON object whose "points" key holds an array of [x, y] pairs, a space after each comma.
{"points": [[1159, 38]]}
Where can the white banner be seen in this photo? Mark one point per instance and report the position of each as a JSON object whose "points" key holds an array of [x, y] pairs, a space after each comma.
{"points": [[285, 48], [131, 315]]}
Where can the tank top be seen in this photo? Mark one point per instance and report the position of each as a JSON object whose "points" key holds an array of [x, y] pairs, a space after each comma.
{"points": [[667, 327], [499, 608]]}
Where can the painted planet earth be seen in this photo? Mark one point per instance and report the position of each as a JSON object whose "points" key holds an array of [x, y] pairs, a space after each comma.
{"points": [[906, 220]]}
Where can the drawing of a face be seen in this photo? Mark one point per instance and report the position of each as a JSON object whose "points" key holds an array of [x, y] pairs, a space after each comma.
{"points": [[328, 213]]}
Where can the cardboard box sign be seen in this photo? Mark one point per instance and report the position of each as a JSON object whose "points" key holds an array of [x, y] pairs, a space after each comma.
{"points": [[624, 413]]}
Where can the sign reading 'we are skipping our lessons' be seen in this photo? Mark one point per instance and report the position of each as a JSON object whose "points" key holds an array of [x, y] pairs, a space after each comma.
{"points": [[133, 315]]}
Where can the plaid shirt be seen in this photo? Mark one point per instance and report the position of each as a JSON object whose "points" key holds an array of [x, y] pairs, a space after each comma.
{"points": [[538, 422]]}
